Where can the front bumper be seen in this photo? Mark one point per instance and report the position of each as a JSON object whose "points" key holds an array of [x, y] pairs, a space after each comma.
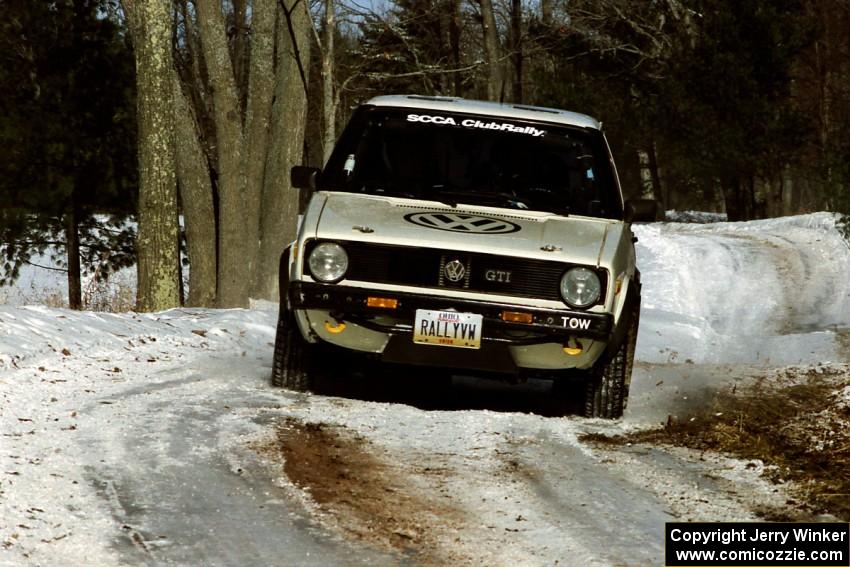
{"points": [[350, 305]]}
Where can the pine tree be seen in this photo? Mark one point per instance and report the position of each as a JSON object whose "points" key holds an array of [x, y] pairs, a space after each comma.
{"points": [[67, 134]]}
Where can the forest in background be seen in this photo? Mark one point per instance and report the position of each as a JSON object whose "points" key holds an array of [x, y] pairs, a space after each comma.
{"points": [[144, 109]]}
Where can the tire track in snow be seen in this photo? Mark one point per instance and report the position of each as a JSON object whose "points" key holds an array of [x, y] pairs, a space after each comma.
{"points": [[134, 452], [522, 489]]}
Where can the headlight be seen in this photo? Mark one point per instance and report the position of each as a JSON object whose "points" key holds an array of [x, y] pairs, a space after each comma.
{"points": [[580, 287], [328, 262]]}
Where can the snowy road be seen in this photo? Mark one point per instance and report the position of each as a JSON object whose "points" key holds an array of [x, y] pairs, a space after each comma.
{"points": [[137, 440], [132, 447]]}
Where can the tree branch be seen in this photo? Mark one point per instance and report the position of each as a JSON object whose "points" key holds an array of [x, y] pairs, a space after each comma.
{"points": [[292, 36]]}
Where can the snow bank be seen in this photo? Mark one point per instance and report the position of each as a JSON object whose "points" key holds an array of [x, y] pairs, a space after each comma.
{"points": [[694, 216], [718, 292], [29, 332], [774, 290]]}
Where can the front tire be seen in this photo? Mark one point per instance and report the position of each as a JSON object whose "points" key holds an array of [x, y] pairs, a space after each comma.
{"points": [[292, 354], [607, 389]]}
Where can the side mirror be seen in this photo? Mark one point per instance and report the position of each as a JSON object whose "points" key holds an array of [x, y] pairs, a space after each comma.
{"points": [[303, 177], [641, 210]]}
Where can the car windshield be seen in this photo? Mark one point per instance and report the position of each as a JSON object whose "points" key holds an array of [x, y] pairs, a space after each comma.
{"points": [[470, 159]]}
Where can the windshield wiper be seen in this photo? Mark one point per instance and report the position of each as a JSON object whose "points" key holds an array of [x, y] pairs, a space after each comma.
{"points": [[385, 192], [481, 198], [439, 197]]}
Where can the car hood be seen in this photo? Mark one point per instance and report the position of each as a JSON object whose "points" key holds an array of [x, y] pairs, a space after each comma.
{"points": [[509, 232]]}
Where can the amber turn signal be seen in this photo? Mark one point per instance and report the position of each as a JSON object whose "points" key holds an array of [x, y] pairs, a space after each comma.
{"points": [[517, 317], [383, 302]]}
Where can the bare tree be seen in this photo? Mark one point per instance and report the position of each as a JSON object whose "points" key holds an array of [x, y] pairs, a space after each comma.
{"points": [[230, 152], [237, 89], [158, 286], [242, 140], [328, 98], [196, 196], [516, 56], [546, 9], [286, 143], [492, 49]]}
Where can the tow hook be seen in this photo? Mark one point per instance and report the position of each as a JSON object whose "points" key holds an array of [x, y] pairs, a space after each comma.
{"points": [[573, 347]]}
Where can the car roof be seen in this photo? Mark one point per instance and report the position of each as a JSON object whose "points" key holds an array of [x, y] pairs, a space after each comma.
{"points": [[485, 108]]}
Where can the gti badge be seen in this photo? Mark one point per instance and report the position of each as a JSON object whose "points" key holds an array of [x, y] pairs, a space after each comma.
{"points": [[501, 276], [456, 222], [454, 271]]}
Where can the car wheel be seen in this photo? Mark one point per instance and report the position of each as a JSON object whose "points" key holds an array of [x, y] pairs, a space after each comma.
{"points": [[607, 389], [292, 356]]}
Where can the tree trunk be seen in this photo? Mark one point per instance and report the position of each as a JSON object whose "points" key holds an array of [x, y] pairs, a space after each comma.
{"points": [[655, 175], [449, 52], [233, 235], [754, 208], [647, 188], [516, 51], [787, 191], [286, 148], [240, 45], [739, 197], [72, 250], [194, 75], [257, 131], [731, 199], [546, 12], [197, 198], [491, 49], [444, 15], [158, 231], [328, 106], [454, 39]]}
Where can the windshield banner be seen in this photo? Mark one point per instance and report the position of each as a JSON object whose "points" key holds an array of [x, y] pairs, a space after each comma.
{"points": [[473, 123]]}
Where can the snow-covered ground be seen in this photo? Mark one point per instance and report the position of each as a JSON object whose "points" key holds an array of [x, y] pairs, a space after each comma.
{"points": [[773, 291], [131, 439]]}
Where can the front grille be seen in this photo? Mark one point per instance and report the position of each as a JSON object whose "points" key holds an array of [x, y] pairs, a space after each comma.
{"points": [[487, 273]]}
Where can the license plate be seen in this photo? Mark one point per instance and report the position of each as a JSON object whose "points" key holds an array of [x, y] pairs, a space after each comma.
{"points": [[447, 328]]}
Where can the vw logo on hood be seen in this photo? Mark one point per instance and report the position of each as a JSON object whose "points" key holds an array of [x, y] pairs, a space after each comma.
{"points": [[457, 222]]}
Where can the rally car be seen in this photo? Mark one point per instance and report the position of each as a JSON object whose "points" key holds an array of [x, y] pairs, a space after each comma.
{"points": [[466, 235]]}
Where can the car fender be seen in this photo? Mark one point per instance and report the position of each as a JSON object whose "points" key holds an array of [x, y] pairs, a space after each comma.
{"points": [[285, 270], [629, 310]]}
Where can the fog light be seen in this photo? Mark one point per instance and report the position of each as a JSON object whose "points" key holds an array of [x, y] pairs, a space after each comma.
{"points": [[334, 328], [382, 302], [517, 317]]}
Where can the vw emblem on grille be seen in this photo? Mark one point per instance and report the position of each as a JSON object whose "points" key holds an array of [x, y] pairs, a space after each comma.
{"points": [[456, 222], [454, 270]]}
